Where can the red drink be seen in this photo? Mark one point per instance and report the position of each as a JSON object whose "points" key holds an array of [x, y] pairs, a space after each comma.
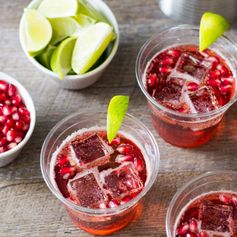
{"points": [[94, 174], [211, 214], [188, 91]]}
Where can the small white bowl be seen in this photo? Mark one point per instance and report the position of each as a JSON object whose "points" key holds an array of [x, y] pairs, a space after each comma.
{"points": [[75, 82], [8, 156]]}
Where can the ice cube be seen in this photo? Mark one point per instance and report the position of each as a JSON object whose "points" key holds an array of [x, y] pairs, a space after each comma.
{"points": [[215, 217], [86, 189], [121, 181], [90, 152], [203, 100], [190, 68]]}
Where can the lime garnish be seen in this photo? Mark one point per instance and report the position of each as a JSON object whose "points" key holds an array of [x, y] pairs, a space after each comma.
{"points": [[45, 57], [90, 45], [58, 8], [37, 31], [62, 56], [63, 27], [116, 111], [212, 26]]}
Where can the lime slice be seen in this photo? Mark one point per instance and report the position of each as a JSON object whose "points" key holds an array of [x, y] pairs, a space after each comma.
{"points": [[87, 9], [116, 111], [58, 8], [212, 26], [37, 31], [84, 20], [63, 27], [62, 56], [45, 56], [90, 45]]}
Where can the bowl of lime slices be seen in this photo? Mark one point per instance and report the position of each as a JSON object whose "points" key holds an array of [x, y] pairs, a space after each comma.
{"points": [[71, 41]]}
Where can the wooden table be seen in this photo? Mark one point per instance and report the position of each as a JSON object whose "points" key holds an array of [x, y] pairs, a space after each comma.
{"points": [[27, 207]]}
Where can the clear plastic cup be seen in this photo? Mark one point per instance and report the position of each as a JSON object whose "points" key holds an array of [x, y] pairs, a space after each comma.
{"points": [[180, 129], [101, 221], [215, 181]]}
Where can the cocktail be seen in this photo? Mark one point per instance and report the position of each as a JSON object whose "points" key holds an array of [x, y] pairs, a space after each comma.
{"points": [[101, 183], [188, 91]]}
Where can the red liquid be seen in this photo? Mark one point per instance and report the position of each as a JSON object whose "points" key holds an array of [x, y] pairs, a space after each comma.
{"points": [[213, 214], [184, 80], [94, 174]]}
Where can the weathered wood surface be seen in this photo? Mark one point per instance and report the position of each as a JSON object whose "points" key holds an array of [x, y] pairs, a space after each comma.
{"points": [[27, 208]]}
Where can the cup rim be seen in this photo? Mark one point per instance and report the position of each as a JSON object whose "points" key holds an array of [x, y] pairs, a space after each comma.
{"points": [[78, 76], [106, 211], [190, 184], [26, 96], [160, 106]]}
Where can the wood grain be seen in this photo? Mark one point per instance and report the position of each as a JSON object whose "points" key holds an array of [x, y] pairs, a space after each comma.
{"points": [[26, 205]]}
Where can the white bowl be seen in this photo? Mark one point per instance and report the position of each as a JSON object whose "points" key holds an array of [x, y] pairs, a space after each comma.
{"points": [[75, 82], [9, 156]]}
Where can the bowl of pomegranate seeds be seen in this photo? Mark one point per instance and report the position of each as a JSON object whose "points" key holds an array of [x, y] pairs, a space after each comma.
{"points": [[17, 118]]}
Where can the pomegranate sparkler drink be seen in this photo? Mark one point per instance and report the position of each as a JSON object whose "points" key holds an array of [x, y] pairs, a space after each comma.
{"points": [[100, 182], [188, 91], [205, 207]]}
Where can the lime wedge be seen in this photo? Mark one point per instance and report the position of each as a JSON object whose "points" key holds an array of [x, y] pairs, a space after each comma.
{"points": [[62, 56], [58, 8], [90, 45], [63, 27], [212, 26], [45, 56], [116, 111], [87, 9], [37, 31]]}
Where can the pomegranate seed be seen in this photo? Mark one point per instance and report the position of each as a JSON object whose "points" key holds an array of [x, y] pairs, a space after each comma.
{"points": [[138, 163], [3, 141], [10, 122], [19, 125], [225, 88], [3, 119], [193, 226], [6, 110], [215, 74], [191, 235], [192, 86], [174, 53], [11, 90], [126, 199], [14, 109], [124, 148], [11, 135], [167, 61], [3, 97], [3, 86], [214, 82], [165, 69], [26, 127], [15, 116], [63, 160], [225, 198], [8, 102], [24, 111], [11, 145], [183, 229], [19, 137], [123, 158], [26, 119], [102, 205], [152, 80], [234, 200], [113, 203], [203, 234], [227, 81], [224, 71], [67, 171], [16, 100], [115, 141], [5, 130]]}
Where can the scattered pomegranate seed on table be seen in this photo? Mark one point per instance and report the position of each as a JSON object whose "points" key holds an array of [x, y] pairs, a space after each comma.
{"points": [[14, 117]]}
